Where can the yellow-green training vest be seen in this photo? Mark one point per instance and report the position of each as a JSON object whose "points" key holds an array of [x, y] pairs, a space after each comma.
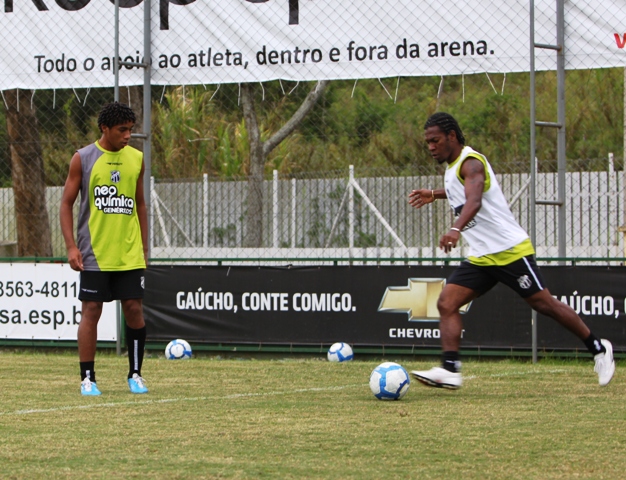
{"points": [[493, 235], [108, 231]]}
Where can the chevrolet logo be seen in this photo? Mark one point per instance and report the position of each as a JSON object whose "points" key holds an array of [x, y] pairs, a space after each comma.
{"points": [[418, 299]]}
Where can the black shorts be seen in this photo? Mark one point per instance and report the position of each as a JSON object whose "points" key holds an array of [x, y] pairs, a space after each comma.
{"points": [[107, 286], [523, 276]]}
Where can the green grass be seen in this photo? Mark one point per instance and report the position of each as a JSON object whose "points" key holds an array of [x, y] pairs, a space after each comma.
{"points": [[292, 419]]}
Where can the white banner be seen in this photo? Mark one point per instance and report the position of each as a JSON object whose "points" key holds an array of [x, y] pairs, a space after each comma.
{"points": [[70, 43], [39, 302]]}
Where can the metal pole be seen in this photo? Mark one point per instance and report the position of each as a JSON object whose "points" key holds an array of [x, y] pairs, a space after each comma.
{"points": [[116, 55], [148, 194], [205, 210], [351, 209], [561, 156], [294, 211], [275, 208], [147, 111], [623, 227], [533, 162]]}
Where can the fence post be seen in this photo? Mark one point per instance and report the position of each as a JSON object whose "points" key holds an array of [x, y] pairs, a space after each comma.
{"points": [[275, 209], [351, 208], [622, 228], [612, 196], [205, 210], [613, 176], [294, 206], [150, 195]]}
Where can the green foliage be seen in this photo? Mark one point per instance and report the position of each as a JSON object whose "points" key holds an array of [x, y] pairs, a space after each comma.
{"points": [[319, 235], [365, 240], [321, 123], [318, 231], [191, 137], [225, 236], [60, 143], [595, 114], [369, 119], [369, 126], [228, 159], [198, 130]]}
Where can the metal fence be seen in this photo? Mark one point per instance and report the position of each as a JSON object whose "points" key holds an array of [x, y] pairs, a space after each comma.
{"points": [[346, 215], [226, 78]]}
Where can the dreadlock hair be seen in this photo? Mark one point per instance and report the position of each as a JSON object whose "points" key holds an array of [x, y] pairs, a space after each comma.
{"points": [[115, 113], [446, 123]]}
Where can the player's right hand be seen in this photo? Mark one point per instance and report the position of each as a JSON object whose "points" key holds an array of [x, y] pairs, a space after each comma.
{"points": [[75, 259], [421, 197]]}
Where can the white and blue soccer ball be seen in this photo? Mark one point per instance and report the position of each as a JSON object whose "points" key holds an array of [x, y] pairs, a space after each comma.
{"points": [[178, 349], [340, 352], [389, 381]]}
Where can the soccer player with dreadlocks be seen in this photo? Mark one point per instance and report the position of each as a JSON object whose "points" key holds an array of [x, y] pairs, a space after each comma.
{"points": [[112, 238], [499, 251]]}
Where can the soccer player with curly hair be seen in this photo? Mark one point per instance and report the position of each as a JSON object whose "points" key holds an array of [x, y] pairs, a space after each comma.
{"points": [[499, 251], [111, 246]]}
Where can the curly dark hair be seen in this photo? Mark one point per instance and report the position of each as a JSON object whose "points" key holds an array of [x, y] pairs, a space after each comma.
{"points": [[115, 113], [446, 123]]}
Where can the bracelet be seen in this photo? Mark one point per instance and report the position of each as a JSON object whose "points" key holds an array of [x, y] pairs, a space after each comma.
{"points": [[432, 192], [455, 229]]}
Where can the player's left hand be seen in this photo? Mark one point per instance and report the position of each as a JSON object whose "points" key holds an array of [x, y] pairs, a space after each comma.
{"points": [[449, 241]]}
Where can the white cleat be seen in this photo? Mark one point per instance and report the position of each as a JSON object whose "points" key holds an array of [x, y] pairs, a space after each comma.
{"points": [[605, 364], [439, 377]]}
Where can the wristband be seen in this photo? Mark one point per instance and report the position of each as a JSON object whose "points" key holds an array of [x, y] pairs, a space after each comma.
{"points": [[432, 192], [455, 229]]}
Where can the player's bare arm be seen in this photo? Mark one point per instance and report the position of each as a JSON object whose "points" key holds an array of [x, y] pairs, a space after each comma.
{"points": [[424, 196], [142, 213], [70, 193], [473, 174]]}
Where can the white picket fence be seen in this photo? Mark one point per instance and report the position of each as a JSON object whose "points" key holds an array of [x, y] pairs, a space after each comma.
{"points": [[367, 218]]}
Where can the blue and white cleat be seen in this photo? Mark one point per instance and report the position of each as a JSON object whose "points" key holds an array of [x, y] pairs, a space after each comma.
{"points": [[137, 384], [89, 388]]}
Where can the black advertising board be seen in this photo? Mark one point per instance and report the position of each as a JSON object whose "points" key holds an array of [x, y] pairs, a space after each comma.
{"points": [[598, 296], [367, 305]]}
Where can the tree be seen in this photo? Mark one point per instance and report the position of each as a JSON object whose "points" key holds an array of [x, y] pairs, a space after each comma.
{"points": [[27, 172], [259, 151]]}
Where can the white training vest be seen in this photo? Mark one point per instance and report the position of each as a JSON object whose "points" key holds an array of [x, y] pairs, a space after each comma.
{"points": [[494, 228]]}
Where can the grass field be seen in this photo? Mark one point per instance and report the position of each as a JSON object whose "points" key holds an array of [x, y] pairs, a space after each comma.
{"points": [[228, 418]]}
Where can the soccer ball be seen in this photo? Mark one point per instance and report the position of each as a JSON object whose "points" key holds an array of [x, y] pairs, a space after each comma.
{"points": [[389, 381], [340, 352], [178, 350]]}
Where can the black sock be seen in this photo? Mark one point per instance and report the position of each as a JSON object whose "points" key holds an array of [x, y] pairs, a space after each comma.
{"points": [[87, 371], [135, 342], [593, 344], [450, 361]]}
